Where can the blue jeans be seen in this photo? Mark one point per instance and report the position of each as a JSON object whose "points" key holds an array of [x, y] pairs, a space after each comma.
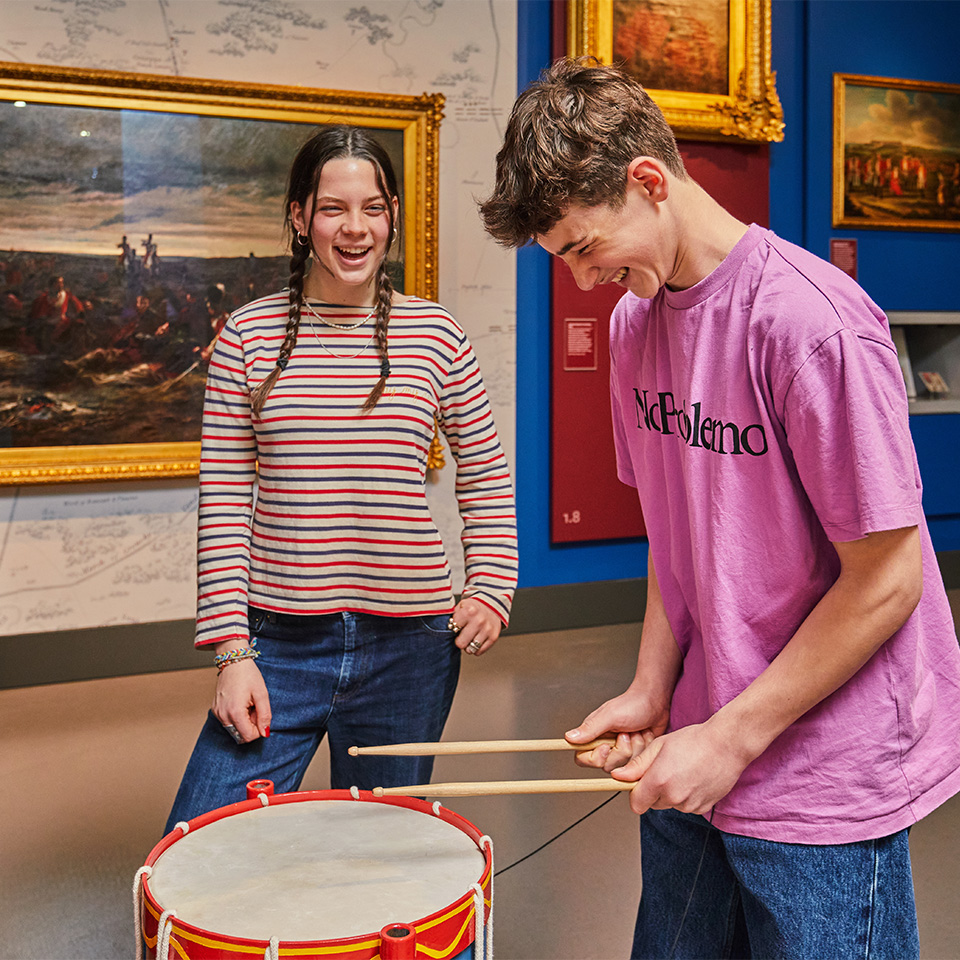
{"points": [[357, 678], [709, 894]]}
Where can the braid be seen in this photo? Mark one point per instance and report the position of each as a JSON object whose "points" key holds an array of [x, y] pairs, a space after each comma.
{"points": [[384, 303], [298, 262]]}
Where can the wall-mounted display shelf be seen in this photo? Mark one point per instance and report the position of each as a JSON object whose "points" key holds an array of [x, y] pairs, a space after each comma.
{"points": [[928, 344]]}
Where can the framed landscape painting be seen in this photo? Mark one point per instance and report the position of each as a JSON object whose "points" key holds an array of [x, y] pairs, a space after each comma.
{"points": [[137, 212], [896, 156], [706, 63]]}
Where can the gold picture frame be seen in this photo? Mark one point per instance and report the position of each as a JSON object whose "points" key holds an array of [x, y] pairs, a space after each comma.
{"points": [[745, 106], [895, 159], [38, 233]]}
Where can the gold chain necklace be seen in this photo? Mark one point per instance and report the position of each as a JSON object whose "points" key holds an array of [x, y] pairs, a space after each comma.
{"points": [[339, 326], [353, 326]]}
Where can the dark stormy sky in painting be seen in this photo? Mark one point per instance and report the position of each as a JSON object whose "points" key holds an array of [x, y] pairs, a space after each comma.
{"points": [[76, 179]]}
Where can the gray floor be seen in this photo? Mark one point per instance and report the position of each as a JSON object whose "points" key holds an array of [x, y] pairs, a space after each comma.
{"points": [[89, 771]]}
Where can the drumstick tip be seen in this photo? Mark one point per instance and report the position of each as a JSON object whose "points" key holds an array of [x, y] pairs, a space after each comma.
{"points": [[378, 791], [353, 751]]}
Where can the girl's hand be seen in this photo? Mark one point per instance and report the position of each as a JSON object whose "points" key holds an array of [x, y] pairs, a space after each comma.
{"points": [[476, 625], [241, 700]]}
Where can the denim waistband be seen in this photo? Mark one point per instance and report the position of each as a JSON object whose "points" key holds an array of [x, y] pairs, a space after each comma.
{"points": [[301, 619]]}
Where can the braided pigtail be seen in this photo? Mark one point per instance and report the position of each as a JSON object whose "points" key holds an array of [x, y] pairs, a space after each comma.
{"points": [[384, 303], [298, 263]]}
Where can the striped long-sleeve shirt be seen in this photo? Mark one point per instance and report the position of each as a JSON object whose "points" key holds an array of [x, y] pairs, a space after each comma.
{"points": [[318, 508]]}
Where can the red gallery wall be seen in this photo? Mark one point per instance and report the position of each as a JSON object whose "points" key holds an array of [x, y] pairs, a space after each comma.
{"points": [[588, 502]]}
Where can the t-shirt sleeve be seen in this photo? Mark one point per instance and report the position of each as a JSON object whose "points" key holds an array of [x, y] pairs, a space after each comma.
{"points": [[624, 464], [845, 416]]}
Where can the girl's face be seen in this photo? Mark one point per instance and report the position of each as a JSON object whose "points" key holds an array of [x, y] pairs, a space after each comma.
{"points": [[351, 227]]}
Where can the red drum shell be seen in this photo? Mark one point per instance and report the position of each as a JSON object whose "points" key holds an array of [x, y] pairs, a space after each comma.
{"points": [[440, 935]]}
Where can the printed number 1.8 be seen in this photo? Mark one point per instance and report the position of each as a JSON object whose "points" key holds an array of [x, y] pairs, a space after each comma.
{"points": [[573, 517]]}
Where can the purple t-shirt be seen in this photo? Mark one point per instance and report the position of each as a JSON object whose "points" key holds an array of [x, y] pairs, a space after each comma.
{"points": [[762, 414]]}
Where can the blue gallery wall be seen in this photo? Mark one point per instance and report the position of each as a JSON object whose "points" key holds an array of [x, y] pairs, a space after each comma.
{"points": [[540, 563], [901, 270]]}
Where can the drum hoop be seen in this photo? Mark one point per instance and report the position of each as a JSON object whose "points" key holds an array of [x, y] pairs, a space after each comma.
{"points": [[221, 813], [367, 940]]}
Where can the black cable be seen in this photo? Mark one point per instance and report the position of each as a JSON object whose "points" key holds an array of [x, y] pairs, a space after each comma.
{"points": [[696, 877], [557, 837]]}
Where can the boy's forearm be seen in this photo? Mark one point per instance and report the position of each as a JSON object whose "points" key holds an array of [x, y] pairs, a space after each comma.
{"points": [[659, 660]]}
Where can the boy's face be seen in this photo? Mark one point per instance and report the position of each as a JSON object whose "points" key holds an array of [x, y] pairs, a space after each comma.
{"points": [[626, 245]]}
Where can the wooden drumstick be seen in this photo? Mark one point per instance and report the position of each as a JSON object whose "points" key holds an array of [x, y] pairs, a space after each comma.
{"points": [[492, 787], [471, 746]]}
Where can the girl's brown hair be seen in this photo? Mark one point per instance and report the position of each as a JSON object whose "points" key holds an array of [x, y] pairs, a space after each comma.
{"points": [[333, 143]]}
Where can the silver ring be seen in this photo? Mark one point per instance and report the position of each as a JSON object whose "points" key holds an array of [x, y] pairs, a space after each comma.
{"points": [[232, 730], [474, 645]]}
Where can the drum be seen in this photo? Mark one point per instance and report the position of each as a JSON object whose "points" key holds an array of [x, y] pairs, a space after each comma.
{"points": [[323, 874]]}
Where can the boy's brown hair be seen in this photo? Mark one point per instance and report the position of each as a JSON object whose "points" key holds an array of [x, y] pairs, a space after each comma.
{"points": [[570, 138]]}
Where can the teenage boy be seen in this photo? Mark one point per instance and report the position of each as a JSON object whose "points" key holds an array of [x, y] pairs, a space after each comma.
{"points": [[796, 704]]}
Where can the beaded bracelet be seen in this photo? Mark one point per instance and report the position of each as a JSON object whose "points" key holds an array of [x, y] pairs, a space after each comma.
{"points": [[231, 656]]}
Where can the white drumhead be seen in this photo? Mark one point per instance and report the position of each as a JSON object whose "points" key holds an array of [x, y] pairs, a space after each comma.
{"points": [[315, 870]]}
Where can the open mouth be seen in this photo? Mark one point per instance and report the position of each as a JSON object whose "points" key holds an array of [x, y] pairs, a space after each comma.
{"points": [[353, 253], [620, 275]]}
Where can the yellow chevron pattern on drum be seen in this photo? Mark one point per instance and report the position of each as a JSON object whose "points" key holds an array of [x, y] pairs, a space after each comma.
{"points": [[308, 952], [341, 949], [447, 951], [180, 951], [152, 943]]}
